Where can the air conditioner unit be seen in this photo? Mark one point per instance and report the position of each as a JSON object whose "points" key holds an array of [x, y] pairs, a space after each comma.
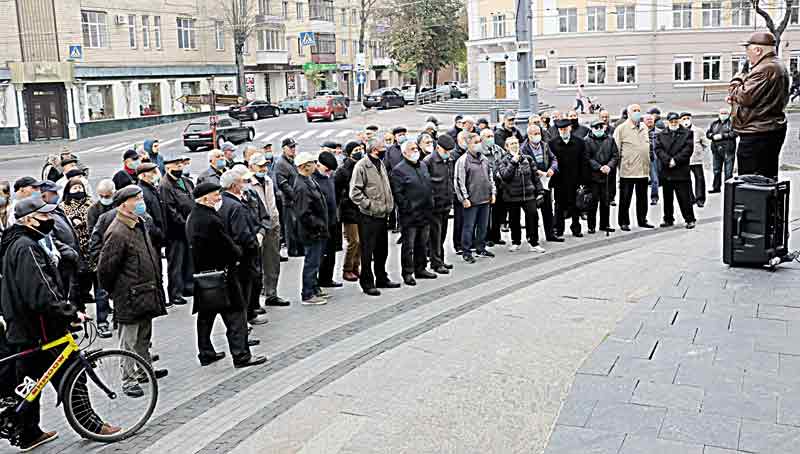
{"points": [[121, 19]]}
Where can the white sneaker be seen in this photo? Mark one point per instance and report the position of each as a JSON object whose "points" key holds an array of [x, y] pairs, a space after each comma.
{"points": [[315, 301], [538, 249], [513, 248]]}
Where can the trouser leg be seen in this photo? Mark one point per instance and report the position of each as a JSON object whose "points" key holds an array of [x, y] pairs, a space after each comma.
{"points": [[100, 301], [591, 215], [730, 159], [175, 264], [205, 324], [699, 183], [366, 234], [625, 196], [669, 195], [435, 240], [531, 221], [271, 260], [328, 262], [546, 207], [236, 333], [420, 249], [514, 223], [458, 224], [654, 179], [468, 229], [352, 260], [311, 263], [683, 191], [409, 237], [641, 201], [381, 253], [134, 337], [719, 159], [481, 226]]}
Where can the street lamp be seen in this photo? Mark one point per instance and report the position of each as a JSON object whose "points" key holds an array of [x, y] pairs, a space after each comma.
{"points": [[526, 84]]}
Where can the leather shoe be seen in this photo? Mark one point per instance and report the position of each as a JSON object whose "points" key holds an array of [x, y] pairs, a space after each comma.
{"points": [[389, 284], [667, 224], [647, 226], [179, 301], [207, 361], [609, 230], [372, 292], [449, 266], [161, 373], [253, 342], [591, 231], [331, 284], [425, 274], [277, 301], [253, 361], [690, 225], [409, 280], [442, 270], [577, 234], [555, 239], [350, 277], [260, 311], [625, 228], [284, 258]]}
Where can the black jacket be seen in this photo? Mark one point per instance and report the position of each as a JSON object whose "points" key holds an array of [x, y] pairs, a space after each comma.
{"points": [[213, 250], [453, 132], [520, 180], [328, 188], [501, 134], [176, 195], [348, 211], [413, 193], [602, 152], [243, 227], [548, 161], [285, 174], [728, 142], [572, 169], [122, 178], [678, 145], [442, 179], [95, 211], [393, 157], [155, 208], [258, 210], [311, 210], [31, 295]]}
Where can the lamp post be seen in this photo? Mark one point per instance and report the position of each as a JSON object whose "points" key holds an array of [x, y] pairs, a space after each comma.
{"points": [[526, 89]]}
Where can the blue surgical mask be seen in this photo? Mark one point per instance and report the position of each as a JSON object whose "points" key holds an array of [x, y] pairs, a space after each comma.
{"points": [[444, 154], [414, 157], [140, 208], [401, 139], [3, 200], [599, 133], [268, 156], [221, 163], [636, 116], [36, 194], [187, 171], [488, 143], [107, 201], [135, 164], [261, 174], [55, 200], [724, 117]]}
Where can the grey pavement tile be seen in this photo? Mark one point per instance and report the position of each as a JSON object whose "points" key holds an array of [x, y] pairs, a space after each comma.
{"points": [[685, 332], [708, 290], [627, 418], [701, 428], [764, 382], [683, 305], [593, 387], [645, 369], [649, 445], [789, 345], [754, 295], [628, 328], [677, 291], [715, 450], [598, 363], [575, 412], [769, 311], [725, 309], [682, 351], [788, 365], [707, 375], [762, 406], [684, 397], [768, 438], [576, 440], [739, 356], [758, 327], [789, 409], [641, 347]]}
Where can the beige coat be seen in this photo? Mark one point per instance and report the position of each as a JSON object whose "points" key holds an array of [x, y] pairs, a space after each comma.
{"points": [[633, 143], [370, 189]]}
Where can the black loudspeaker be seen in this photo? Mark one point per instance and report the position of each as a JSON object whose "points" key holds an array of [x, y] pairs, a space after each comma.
{"points": [[755, 222]]}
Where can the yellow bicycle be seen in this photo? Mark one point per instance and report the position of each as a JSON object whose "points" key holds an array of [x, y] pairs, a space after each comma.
{"points": [[102, 386]]}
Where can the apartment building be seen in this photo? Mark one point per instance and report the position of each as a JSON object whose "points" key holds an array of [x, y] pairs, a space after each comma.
{"points": [[80, 68], [645, 49]]}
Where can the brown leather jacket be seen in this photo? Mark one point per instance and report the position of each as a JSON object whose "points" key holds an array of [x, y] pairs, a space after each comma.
{"points": [[760, 97]]}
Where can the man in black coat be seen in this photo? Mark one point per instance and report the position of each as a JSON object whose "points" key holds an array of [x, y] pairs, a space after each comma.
{"points": [[458, 126], [569, 150], [413, 195], [326, 165], [441, 169], [348, 211], [176, 195], [285, 173], [723, 147], [602, 155], [214, 250], [262, 220], [311, 210], [149, 179], [127, 175], [506, 130], [674, 148], [578, 130], [394, 155]]}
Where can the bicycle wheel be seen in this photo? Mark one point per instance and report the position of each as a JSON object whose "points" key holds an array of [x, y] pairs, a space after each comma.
{"points": [[87, 406]]}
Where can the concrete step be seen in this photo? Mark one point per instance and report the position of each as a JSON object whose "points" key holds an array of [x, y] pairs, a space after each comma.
{"points": [[475, 106]]}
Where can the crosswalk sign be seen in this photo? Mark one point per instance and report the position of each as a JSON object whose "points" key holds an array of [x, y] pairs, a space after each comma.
{"points": [[307, 38], [76, 52]]}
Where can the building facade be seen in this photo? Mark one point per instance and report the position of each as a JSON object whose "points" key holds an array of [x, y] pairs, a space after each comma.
{"points": [[645, 49]]}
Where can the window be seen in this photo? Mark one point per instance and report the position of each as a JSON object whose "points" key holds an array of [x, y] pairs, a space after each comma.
{"points": [[682, 15], [540, 64], [738, 63], [741, 14], [100, 100], [499, 25], [712, 14], [355, 47], [157, 31], [93, 24], [145, 32], [300, 50], [343, 18], [794, 19], [186, 34], [320, 10], [300, 8], [794, 63], [132, 31], [683, 69], [626, 71], [263, 8], [324, 44], [567, 20], [343, 47], [271, 40], [285, 9], [626, 18], [712, 65], [596, 72], [567, 73], [355, 20], [219, 35], [149, 99], [483, 28], [596, 18]]}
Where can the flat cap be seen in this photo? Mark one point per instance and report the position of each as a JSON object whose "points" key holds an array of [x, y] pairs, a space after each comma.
{"points": [[174, 158], [399, 130], [68, 161], [761, 38], [509, 114], [258, 159], [563, 123], [686, 114], [145, 167], [49, 186], [597, 124], [433, 120], [288, 142], [330, 144], [74, 173], [228, 146], [458, 117], [26, 182], [372, 128], [304, 157], [204, 189], [130, 154], [654, 111], [32, 205], [126, 193], [446, 142], [350, 146], [483, 121], [327, 159], [673, 116]]}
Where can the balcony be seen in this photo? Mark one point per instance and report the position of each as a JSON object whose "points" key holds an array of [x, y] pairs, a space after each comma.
{"points": [[272, 57], [323, 58], [270, 19]]}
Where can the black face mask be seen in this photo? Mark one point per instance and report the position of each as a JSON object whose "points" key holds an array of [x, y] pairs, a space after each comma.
{"points": [[382, 154], [45, 227], [574, 123], [176, 173]]}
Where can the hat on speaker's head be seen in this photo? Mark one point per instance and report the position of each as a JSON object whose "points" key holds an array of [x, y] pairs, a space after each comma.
{"points": [[126, 193], [760, 38], [206, 188]]}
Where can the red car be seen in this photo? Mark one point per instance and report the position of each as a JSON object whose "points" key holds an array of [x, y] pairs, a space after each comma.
{"points": [[326, 108]]}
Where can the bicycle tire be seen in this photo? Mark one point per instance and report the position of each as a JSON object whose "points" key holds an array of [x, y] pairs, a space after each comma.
{"points": [[77, 372]]}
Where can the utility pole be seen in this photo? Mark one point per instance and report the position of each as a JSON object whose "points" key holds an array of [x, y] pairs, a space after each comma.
{"points": [[526, 91]]}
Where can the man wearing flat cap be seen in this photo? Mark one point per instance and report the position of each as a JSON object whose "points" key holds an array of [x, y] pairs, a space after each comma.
{"points": [[149, 179], [758, 99], [176, 195]]}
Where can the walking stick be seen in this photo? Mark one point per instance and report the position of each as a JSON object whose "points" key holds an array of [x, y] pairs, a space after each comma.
{"points": [[607, 195]]}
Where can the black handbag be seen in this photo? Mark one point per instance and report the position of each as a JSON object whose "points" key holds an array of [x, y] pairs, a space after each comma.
{"points": [[211, 292], [583, 199]]}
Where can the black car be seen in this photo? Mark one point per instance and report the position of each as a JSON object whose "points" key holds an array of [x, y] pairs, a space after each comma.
{"points": [[254, 110], [385, 98], [199, 134]]}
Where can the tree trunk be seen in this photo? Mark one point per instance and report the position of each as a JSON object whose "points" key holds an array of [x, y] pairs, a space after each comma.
{"points": [[419, 79]]}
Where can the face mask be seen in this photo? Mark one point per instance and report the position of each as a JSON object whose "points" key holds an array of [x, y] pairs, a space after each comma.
{"points": [[218, 205], [636, 116], [261, 175], [357, 155], [488, 143], [599, 133], [535, 139], [3, 201], [724, 117], [381, 154], [401, 139], [687, 123], [77, 195], [176, 173], [37, 194], [45, 227], [221, 163], [155, 180], [135, 164], [674, 127], [269, 157], [475, 149], [107, 201], [414, 157], [513, 148], [444, 154], [186, 172], [140, 208], [428, 148], [55, 200], [565, 136]]}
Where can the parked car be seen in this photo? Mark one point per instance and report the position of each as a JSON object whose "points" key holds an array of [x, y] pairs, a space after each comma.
{"points": [[429, 94], [295, 104], [384, 98], [334, 93], [409, 92], [198, 134], [326, 108], [254, 110]]}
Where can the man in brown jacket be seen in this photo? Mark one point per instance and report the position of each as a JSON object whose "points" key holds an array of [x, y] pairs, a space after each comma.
{"points": [[371, 191], [759, 99]]}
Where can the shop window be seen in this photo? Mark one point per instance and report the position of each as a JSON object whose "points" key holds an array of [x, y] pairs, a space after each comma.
{"points": [[149, 99], [100, 99]]}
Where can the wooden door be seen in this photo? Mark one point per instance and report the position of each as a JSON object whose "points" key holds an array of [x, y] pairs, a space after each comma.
{"points": [[500, 80], [45, 107]]}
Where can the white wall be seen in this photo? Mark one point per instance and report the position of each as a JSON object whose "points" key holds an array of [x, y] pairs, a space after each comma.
{"points": [[550, 13], [9, 119], [644, 12], [485, 79]]}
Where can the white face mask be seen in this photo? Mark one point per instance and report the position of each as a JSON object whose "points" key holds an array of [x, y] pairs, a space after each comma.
{"points": [[428, 148], [674, 127], [536, 139], [687, 123], [218, 205]]}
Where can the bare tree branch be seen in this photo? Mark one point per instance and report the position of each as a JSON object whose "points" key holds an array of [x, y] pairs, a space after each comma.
{"points": [[764, 14], [787, 15]]}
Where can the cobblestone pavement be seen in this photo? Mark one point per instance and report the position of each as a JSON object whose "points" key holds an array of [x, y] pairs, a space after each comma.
{"points": [[484, 360]]}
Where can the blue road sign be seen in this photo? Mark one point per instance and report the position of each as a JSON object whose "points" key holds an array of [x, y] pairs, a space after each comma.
{"points": [[361, 77], [307, 38], [76, 52]]}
